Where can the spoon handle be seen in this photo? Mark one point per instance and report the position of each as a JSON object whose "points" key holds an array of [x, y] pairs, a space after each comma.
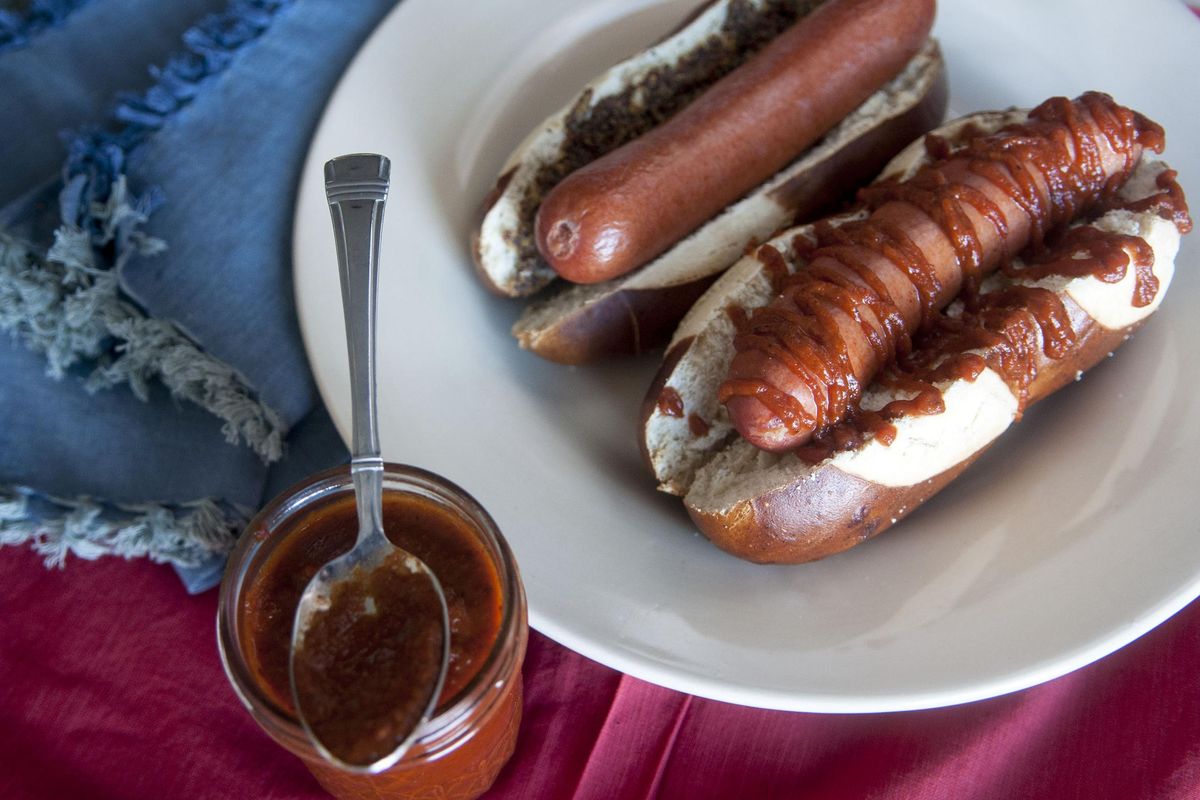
{"points": [[356, 187]]}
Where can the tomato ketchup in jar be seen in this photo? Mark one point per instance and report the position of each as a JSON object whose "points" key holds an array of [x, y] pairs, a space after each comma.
{"points": [[472, 733]]}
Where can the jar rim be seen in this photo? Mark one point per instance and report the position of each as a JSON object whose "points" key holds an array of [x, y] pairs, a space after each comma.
{"points": [[282, 723]]}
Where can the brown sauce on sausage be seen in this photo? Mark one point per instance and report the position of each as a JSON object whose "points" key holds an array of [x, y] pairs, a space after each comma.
{"points": [[737, 315], [1169, 202], [1056, 145], [669, 402], [937, 147], [1004, 331], [1104, 255], [773, 263]]}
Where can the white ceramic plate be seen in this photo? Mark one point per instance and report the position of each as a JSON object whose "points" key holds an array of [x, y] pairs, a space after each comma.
{"points": [[1074, 535]]}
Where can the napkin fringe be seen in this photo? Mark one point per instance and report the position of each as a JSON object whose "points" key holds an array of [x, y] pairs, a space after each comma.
{"points": [[68, 304], [184, 534], [210, 46], [18, 28], [66, 307]]}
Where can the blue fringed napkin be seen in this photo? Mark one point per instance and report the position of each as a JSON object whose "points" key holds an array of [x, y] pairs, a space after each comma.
{"points": [[155, 388]]}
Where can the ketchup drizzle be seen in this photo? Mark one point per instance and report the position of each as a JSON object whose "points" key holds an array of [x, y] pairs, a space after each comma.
{"points": [[1056, 148], [1104, 255], [1169, 203], [669, 402]]}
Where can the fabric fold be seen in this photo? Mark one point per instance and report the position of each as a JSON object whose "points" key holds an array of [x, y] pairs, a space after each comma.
{"points": [[69, 76], [159, 285], [78, 312], [17, 28], [187, 534], [631, 750]]}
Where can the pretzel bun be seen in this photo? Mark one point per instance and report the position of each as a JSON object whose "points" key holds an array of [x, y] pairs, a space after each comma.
{"points": [[781, 508], [578, 323]]}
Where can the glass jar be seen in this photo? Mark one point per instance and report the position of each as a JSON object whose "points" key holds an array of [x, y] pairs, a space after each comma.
{"points": [[459, 752]]}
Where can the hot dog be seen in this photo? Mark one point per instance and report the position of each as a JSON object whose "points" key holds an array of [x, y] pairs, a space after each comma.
{"points": [[1031, 327], [638, 311], [802, 360], [619, 211]]}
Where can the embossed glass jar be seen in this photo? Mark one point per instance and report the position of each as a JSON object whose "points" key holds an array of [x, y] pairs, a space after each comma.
{"points": [[459, 752]]}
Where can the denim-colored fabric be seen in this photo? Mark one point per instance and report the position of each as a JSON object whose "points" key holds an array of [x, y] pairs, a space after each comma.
{"points": [[65, 441], [69, 75], [225, 166], [239, 178], [23, 20]]}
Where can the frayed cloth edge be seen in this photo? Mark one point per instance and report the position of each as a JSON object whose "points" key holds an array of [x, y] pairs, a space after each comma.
{"points": [[18, 29], [184, 534], [91, 322], [68, 305]]}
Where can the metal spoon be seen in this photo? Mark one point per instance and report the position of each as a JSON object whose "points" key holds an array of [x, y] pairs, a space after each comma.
{"points": [[341, 680]]}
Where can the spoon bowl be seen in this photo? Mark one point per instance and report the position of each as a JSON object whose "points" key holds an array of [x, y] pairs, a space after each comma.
{"points": [[371, 636]]}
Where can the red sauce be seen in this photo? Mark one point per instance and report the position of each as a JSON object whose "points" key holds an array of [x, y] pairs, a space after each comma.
{"points": [[803, 246], [1169, 203], [1087, 251], [458, 755], [436, 535], [925, 400], [698, 425], [669, 402], [1012, 328], [937, 147], [773, 263], [367, 667], [801, 329]]}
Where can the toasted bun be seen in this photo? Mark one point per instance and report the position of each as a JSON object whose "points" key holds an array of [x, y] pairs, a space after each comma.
{"points": [[777, 508]]}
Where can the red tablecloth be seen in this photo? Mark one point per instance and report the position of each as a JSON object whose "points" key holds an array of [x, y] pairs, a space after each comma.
{"points": [[110, 687]]}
